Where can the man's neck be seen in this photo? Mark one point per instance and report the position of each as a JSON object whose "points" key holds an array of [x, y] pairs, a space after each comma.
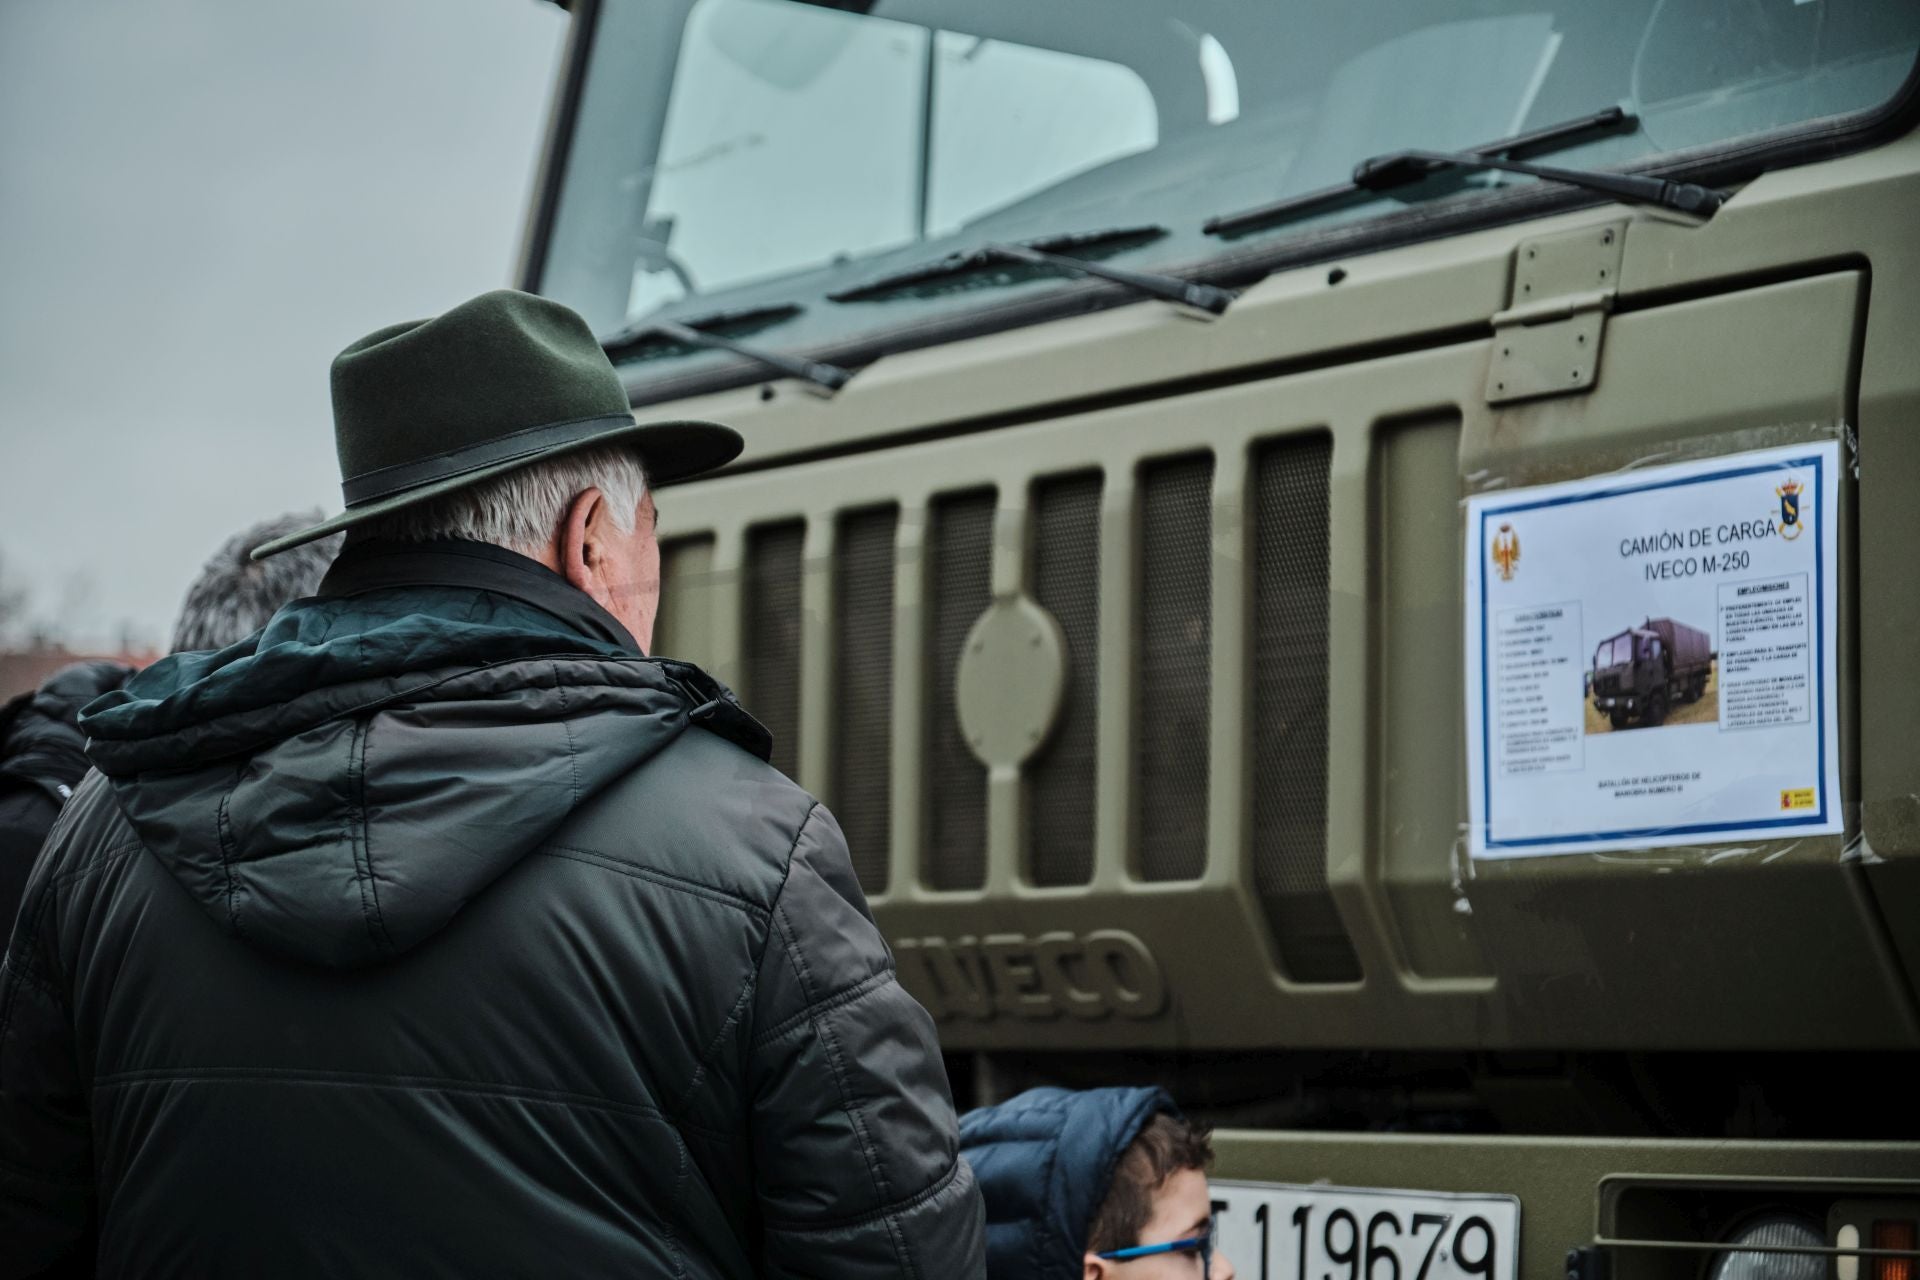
{"points": [[460, 563]]}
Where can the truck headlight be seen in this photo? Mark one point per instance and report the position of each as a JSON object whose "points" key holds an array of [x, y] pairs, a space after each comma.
{"points": [[1773, 1229]]}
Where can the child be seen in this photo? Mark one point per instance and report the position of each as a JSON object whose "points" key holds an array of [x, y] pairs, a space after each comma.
{"points": [[1102, 1184]]}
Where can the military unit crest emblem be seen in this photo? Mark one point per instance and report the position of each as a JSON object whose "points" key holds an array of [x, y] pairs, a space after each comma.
{"points": [[1506, 552], [1789, 495]]}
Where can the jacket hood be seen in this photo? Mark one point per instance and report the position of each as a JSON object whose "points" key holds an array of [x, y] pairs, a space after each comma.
{"points": [[40, 742], [1044, 1160], [335, 788]]}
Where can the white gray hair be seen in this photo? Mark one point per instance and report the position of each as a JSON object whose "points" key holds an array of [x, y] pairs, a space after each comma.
{"points": [[522, 509], [235, 594]]}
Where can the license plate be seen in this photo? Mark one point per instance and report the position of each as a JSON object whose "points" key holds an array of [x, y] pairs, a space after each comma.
{"points": [[1276, 1231]]}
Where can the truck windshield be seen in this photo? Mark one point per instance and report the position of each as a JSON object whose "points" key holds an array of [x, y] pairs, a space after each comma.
{"points": [[734, 153], [1614, 652]]}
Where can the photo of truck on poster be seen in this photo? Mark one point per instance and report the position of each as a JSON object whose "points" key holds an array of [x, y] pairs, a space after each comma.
{"points": [[1660, 672], [1650, 657]]}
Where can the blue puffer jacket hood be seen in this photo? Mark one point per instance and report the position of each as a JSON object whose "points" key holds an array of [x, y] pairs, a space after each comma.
{"points": [[1044, 1161]]}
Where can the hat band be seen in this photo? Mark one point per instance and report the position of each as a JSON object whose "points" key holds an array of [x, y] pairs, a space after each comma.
{"points": [[384, 482]]}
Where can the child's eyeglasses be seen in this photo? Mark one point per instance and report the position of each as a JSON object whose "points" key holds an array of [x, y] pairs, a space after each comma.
{"points": [[1201, 1244]]}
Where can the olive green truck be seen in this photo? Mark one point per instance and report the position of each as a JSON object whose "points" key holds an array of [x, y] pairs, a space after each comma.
{"points": [[1116, 380], [1641, 672]]}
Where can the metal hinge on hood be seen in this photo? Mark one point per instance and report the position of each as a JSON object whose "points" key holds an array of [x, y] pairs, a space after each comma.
{"points": [[1547, 341]]}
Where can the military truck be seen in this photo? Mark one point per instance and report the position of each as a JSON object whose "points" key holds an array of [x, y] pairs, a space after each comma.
{"points": [[1640, 672], [1113, 376]]}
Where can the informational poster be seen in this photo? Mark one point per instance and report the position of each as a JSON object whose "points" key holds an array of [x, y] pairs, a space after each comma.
{"points": [[1650, 657]]}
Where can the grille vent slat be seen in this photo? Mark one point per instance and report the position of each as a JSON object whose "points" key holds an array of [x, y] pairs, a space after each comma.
{"points": [[771, 640], [1290, 603], [1175, 648], [960, 583], [863, 689], [686, 577], [1066, 582]]}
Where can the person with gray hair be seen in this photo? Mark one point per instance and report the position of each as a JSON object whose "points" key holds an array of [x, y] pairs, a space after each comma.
{"points": [[520, 509], [509, 951], [234, 595]]}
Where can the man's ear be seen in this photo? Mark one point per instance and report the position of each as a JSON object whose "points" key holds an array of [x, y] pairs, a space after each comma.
{"points": [[578, 554], [1093, 1268]]}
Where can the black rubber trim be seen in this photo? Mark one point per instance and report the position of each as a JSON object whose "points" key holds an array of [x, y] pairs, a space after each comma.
{"points": [[586, 15]]}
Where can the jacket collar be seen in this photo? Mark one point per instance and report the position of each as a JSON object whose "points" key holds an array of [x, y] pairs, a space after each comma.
{"points": [[480, 566]]}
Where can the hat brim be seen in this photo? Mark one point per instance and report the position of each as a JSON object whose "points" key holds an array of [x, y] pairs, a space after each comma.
{"points": [[671, 451]]}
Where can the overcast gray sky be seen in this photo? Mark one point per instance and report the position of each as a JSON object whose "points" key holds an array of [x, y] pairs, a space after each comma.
{"points": [[200, 202]]}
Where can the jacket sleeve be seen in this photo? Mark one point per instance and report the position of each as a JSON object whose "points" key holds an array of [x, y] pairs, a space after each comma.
{"points": [[46, 1154], [855, 1145]]}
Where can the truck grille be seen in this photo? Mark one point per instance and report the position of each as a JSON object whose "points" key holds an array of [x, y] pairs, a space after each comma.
{"points": [[772, 642], [1175, 667], [960, 572], [862, 788], [1060, 777], [869, 719], [1290, 576]]}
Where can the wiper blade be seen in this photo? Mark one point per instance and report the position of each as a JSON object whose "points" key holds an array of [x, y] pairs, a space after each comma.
{"points": [[697, 332], [1074, 243], [1049, 252], [1608, 120], [1382, 173]]}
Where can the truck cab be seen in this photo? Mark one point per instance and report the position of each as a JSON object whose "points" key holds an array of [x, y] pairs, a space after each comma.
{"points": [[1626, 667], [1643, 672], [1114, 379]]}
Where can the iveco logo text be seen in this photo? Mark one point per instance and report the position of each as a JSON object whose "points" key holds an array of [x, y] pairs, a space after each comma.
{"points": [[1106, 972]]}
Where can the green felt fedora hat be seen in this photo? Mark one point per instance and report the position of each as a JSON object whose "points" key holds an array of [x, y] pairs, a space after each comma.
{"points": [[507, 379]]}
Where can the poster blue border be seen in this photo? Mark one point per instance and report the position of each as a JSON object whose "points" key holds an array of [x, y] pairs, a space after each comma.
{"points": [[1818, 463]]}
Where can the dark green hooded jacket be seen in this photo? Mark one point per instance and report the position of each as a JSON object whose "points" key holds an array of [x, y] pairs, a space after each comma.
{"points": [[433, 931]]}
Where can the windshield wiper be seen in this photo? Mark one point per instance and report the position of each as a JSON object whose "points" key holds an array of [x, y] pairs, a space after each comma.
{"points": [[696, 332], [1047, 252], [1383, 173], [1400, 168]]}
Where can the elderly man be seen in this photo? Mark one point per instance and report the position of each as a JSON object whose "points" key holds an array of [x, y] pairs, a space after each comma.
{"points": [[438, 930], [42, 756]]}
